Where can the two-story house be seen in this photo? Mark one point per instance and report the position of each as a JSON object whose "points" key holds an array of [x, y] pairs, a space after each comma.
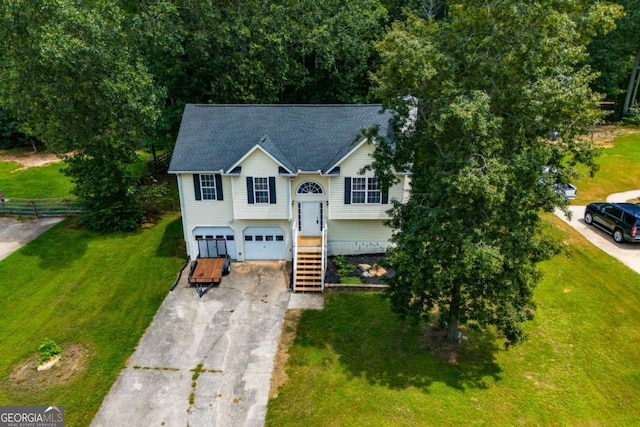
{"points": [[283, 182]]}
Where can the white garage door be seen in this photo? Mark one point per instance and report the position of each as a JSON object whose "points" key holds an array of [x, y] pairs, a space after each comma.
{"points": [[227, 233], [264, 243]]}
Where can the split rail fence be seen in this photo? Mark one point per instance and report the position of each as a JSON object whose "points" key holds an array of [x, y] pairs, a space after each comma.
{"points": [[12, 206]]}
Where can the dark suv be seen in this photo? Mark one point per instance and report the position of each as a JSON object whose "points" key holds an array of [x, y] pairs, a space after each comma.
{"points": [[621, 220]]}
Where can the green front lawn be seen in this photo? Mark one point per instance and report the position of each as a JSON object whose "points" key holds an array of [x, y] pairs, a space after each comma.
{"points": [[619, 171], [79, 287], [34, 182], [354, 363]]}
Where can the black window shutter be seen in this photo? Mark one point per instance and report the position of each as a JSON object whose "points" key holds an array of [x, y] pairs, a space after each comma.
{"points": [[347, 191], [250, 190], [196, 186], [272, 190], [219, 195], [385, 196]]}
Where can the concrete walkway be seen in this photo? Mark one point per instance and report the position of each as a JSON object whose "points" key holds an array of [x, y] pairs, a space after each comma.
{"points": [[623, 197], [229, 336], [14, 233]]}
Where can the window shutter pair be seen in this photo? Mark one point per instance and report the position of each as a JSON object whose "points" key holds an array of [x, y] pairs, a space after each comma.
{"points": [[198, 191], [347, 193], [272, 190]]}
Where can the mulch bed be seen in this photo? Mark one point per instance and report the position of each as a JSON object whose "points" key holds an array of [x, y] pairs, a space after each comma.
{"points": [[331, 275]]}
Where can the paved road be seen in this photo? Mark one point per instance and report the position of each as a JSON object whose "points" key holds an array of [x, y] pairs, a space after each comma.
{"points": [[230, 335], [628, 253], [14, 234]]}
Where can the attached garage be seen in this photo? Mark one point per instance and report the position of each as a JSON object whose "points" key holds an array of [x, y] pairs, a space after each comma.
{"points": [[264, 243], [209, 233]]}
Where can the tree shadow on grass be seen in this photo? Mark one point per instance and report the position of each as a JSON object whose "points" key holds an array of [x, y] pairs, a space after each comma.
{"points": [[58, 247], [371, 342], [172, 243]]}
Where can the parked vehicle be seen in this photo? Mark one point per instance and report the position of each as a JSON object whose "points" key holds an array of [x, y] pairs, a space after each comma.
{"points": [[621, 220], [569, 190]]}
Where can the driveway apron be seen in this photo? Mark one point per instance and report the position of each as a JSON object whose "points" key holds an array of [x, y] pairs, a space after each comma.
{"points": [[205, 361], [627, 253]]}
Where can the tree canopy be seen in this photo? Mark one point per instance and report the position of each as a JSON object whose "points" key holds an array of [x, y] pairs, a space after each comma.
{"points": [[491, 85], [97, 80], [73, 74]]}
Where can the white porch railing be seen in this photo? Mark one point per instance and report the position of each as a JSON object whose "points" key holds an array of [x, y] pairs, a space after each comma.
{"points": [[294, 248], [324, 253]]}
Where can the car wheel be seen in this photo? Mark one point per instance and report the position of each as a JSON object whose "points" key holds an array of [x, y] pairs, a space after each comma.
{"points": [[588, 218], [618, 237]]}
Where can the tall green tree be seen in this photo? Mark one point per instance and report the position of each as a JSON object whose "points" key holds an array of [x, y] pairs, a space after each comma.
{"points": [[614, 55], [492, 86], [331, 44], [74, 74]]}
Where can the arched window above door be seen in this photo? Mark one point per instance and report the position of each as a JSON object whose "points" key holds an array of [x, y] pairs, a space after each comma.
{"points": [[310, 187]]}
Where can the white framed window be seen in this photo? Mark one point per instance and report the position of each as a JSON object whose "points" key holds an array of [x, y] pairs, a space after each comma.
{"points": [[310, 187], [261, 190], [208, 187], [365, 190]]}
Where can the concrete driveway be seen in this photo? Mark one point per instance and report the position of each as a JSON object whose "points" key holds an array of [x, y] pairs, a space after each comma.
{"points": [[229, 336], [627, 253], [14, 233]]}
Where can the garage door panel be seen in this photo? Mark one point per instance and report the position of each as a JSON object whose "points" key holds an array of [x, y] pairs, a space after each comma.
{"points": [[208, 233], [264, 243]]}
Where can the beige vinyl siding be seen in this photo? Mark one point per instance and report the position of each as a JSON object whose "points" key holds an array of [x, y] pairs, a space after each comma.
{"points": [[259, 165], [350, 167], [347, 237], [204, 212]]}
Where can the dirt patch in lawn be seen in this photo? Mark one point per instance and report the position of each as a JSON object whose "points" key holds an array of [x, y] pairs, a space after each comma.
{"points": [[25, 374], [604, 135], [28, 159], [288, 335], [435, 341]]}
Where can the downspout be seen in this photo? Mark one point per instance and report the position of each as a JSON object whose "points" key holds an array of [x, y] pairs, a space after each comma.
{"points": [[184, 233], [186, 261], [184, 225]]}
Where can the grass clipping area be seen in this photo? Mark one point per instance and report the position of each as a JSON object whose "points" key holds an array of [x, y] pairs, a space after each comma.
{"points": [[94, 295], [354, 363]]}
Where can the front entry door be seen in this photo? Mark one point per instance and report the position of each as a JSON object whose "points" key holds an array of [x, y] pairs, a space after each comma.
{"points": [[310, 218]]}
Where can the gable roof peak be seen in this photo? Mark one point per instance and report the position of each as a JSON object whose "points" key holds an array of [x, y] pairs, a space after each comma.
{"points": [[303, 137]]}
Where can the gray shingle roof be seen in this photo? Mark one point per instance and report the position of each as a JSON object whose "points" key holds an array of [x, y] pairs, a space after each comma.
{"points": [[301, 137]]}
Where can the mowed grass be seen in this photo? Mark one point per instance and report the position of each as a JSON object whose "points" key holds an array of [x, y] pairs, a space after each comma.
{"points": [[79, 287], [35, 182], [355, 364], [619, 171]]}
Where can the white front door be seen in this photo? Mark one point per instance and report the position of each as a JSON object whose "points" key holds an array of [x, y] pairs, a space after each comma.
{"points": [[310, 218]]}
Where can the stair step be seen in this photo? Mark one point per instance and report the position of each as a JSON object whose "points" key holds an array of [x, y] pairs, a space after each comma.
{"points": [[307, 278]]}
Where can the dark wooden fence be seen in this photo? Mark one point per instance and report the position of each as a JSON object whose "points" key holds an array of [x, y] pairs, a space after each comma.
{"points": [[161, 164], [38, 207]]}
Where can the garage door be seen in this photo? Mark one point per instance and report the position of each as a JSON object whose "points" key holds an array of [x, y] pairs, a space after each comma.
{"points": [[208, 233], [264, 243]]}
